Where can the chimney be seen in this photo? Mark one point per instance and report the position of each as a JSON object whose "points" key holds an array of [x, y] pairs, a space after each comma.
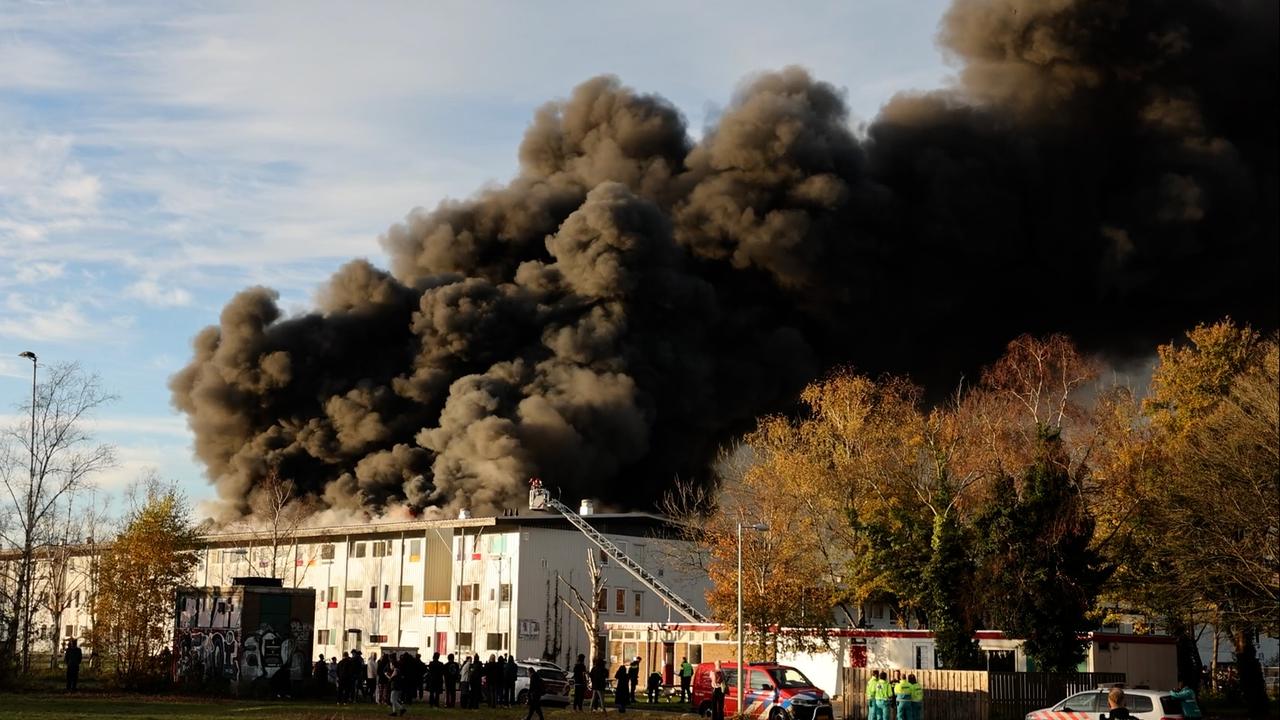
{"points": [[588, 507]]}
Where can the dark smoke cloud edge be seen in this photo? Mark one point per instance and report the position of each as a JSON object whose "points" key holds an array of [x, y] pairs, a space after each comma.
{"points": [[632, 298]]}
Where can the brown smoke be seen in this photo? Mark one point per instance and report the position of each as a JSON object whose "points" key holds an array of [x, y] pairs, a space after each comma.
{"points": [[632, 298]]}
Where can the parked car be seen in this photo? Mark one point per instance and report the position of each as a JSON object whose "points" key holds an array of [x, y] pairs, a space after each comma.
{"points": [[1143, 704], [558, 687], [773, 692]]}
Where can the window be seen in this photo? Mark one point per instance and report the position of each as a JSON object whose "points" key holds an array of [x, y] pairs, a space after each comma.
{"points": [[77, 600], [357, 550], [620, 601], [415, 550], [381, 548], [406, 593], [635, 606], [470, 592], [877, 611], [71, 631], [602, 601], [1085, 702], [495, 641], [758, 679], [373, 596], [504, 593], [1136, 703], [436, 607], [322, 637], [377, 638], [333, 595], [353, 594], [789, 677], [464, 640], [322, 596], [326, 552], [604, 556]]}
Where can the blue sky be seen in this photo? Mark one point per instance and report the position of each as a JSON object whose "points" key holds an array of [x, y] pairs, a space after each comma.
{"points": [[157, 157]]}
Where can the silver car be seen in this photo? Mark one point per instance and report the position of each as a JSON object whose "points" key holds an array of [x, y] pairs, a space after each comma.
{"points": [[1141, 703], [557, 686]]}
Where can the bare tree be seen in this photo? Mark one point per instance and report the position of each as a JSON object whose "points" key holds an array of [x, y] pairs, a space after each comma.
{"points": [[588, 610], [276, 513], [67, 574], [60, 456]]}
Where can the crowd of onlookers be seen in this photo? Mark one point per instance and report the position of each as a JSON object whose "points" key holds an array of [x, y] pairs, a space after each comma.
{"points": [[399, 680]]}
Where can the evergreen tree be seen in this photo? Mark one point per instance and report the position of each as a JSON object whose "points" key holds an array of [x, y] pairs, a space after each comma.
{"points": [[1041, 574], [948, 583]]}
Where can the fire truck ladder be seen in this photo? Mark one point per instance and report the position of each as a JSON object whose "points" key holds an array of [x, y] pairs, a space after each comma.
{"points": [[540, 499]]}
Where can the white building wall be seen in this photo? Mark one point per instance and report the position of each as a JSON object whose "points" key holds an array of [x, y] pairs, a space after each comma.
{"points": [[349, 574]]}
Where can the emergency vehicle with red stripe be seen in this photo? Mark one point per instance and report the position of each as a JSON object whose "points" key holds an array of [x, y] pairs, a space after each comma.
{"points": [[772, 692]]}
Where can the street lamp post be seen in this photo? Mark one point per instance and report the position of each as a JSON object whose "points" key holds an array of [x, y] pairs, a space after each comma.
{"points": [[741, 674]]}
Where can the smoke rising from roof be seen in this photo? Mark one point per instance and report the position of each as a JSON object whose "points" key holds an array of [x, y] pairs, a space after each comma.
{"points": [[632, 298]]}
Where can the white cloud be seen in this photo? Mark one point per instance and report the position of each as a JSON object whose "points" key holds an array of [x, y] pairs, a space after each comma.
{"points": [[34, 273], [135, 461], [150, 291], [38, 174], [51, 321]]}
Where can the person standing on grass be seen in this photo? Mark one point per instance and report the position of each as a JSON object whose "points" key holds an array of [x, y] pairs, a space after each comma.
{"points": [[579, 681], [599, 685], [622, 692], [717, 698], [511, 673], [536, 689], [477, 682], [451, 672], [397, 681], [654, 687], [435, 679], [633, 677], [320, 677], [686, 679], [72, 658], [383, 670], [464, 683]]}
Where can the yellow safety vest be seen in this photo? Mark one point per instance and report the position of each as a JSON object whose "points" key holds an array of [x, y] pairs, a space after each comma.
{"points": [[917, 692], [871, 688], [903, 691]]}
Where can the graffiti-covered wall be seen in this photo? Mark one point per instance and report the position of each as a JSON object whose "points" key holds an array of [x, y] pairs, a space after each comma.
{"points": [[245, 640]]}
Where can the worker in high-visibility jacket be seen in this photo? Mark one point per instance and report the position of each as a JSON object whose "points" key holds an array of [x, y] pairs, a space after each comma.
{"points": [[910, 697], [902, 693], [871, 694], [917, 698], [880, 697]]}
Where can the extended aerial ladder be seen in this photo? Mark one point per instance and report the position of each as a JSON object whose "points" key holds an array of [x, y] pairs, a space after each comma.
{"points": [[540, 499]]}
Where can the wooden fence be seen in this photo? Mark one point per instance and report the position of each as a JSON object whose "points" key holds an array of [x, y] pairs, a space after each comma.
{"points": [[948, 694], [977, 694]]}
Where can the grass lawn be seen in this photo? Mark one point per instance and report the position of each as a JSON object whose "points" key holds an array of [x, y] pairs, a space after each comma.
{"points": [[48, 706]]}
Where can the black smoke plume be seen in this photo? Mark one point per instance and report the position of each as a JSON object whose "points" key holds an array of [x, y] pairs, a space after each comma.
{"points": [[632, 298]]}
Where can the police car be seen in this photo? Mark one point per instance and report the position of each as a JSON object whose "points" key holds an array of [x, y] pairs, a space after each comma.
{"points": [[1141, 703]]}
